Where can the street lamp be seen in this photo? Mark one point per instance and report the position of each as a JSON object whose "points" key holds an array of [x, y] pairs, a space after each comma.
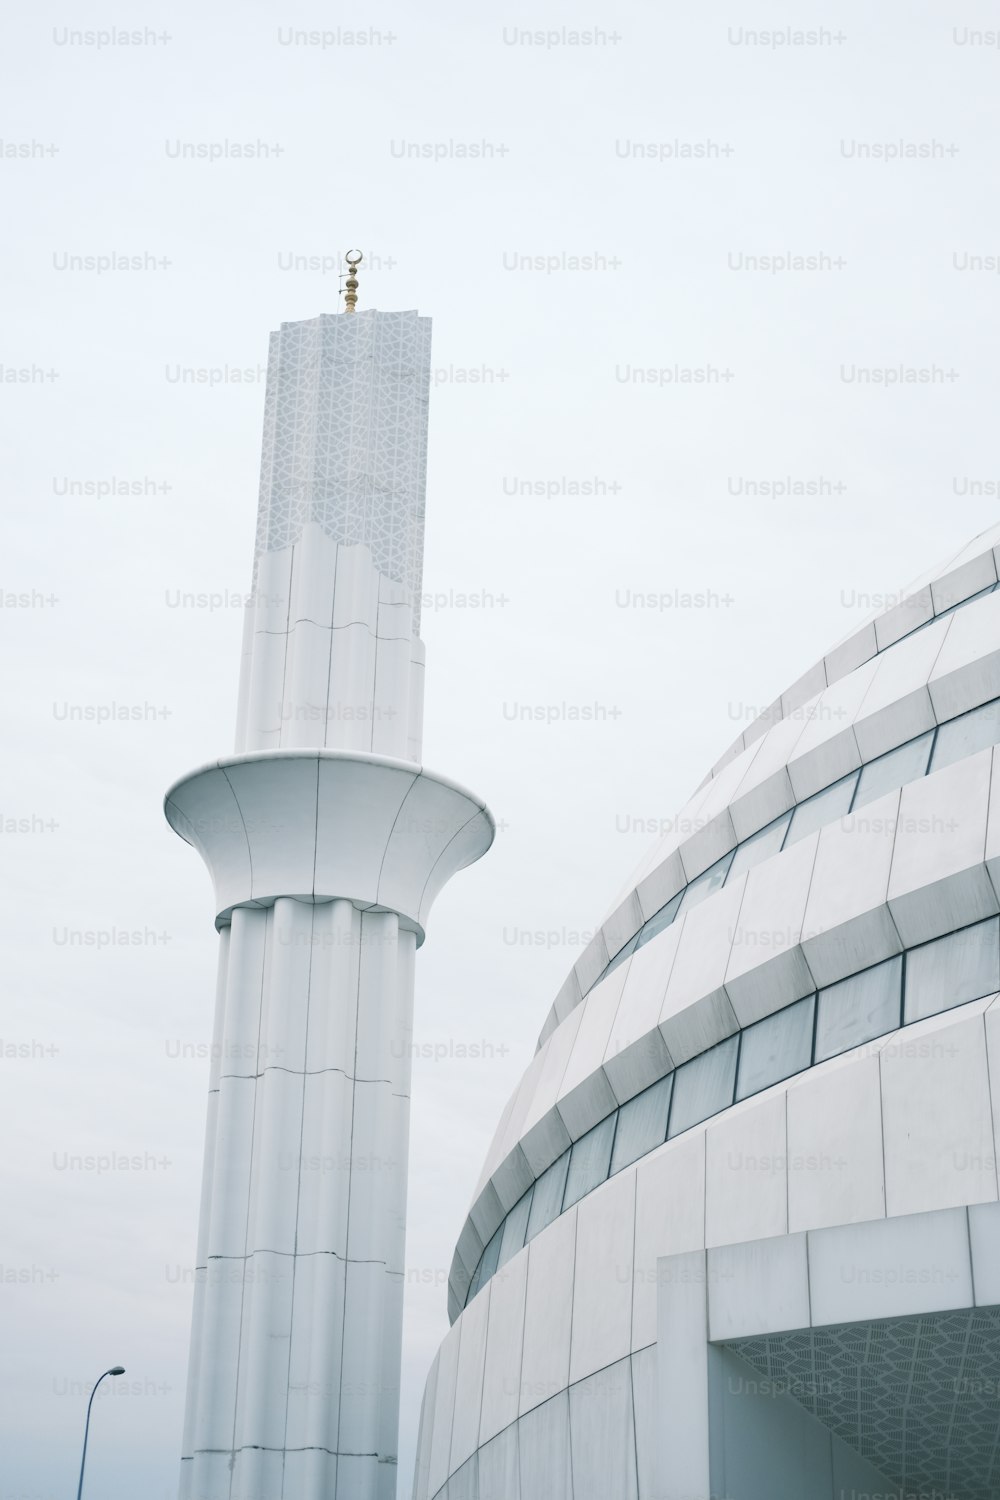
{"points": [[115, 1370]]}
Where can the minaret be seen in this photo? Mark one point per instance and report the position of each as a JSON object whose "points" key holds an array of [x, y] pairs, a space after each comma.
{"points": [[326, 841]]}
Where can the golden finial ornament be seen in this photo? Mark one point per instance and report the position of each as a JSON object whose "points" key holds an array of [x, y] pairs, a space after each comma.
{"points": [[353, 259]]}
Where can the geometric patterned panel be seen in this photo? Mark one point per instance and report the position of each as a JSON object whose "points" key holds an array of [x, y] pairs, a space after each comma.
{"points": [[918, 1397], [345, 437]]}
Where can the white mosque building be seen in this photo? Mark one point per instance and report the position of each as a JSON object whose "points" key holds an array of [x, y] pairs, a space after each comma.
{"points": [[738, 1234]]}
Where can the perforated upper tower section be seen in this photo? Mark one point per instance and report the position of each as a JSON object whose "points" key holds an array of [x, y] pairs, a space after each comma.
{"points": [[345, 437]]}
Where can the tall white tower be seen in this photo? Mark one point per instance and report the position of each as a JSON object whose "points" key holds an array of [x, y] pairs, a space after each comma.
{"points": [[327, 842]]}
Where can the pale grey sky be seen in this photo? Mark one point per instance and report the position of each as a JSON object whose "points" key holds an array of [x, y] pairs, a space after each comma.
{"points": [[581, 152]]}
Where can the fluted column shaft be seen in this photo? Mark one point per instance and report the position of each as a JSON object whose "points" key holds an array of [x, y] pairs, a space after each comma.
{"points": [[294, 1365]]}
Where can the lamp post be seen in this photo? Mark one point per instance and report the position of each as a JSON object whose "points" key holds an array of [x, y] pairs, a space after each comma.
{"points": [[115, 1370]]}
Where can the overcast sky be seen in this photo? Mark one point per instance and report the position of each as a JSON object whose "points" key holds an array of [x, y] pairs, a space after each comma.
{"points": [[648, 168]]}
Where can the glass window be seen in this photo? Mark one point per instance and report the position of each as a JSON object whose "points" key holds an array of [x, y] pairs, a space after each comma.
{"points": [[514, 1226], [893, 770], [962, 966], [487, 1264], [708, 881], [821, 809], [776, 1048], [659, 920], [857, 1009], [642, 1124], [589, 1158], [961, 737], [703, 1086], [622, 955], [546, 1200], [759, 846], [476, 1282]]}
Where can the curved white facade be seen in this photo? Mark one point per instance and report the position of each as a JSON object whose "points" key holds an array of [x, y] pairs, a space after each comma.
{"points": [[738, 1231]]}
